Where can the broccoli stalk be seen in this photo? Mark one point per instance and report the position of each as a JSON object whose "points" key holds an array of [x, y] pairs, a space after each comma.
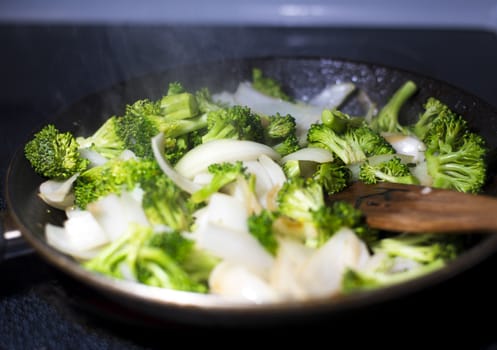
{"points": [[339, 122], [179, 106], [54, 154], [387, 120], [107, 140]]}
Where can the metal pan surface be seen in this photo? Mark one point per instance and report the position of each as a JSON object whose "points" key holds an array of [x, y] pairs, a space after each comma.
{"points": [[301, 77]]}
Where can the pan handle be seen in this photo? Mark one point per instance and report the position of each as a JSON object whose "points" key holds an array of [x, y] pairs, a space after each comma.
{"points": [[12, 244]]}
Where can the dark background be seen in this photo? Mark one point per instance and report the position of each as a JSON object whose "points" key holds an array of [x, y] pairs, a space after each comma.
{"points": [[45, 68]]}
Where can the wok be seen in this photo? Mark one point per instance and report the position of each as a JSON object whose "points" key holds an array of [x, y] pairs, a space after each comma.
{"points": [[300, 77]]}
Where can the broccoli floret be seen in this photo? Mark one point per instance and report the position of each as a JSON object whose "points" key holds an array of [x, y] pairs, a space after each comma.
{"points": [[107, 140], [330, 218], [299, 197], [236, 122], [387, 120], [141, 254], [392, 170], [198, 263], [353, 146], [455, 156], [423, 248], [279, 127], [333, 176], [267, 85], [289, 145], [54, 154], [159, 194], [433, 108], [261, 227], [143, 120], [403, 257], [291, 168], [205, 102], [114, 176], [354, 281], [463, 169], [223, 174]]}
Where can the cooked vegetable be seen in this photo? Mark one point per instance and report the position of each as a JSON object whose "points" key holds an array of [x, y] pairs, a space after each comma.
{"points": [[54, 154], [230, 193]]}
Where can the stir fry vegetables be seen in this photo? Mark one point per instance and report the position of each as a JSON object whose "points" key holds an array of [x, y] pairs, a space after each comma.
{"points": [[229, 193]]}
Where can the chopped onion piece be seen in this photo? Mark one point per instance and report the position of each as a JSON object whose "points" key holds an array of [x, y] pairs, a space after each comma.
{"points": [[58, 238], [227, 211], [94, 157], [314, 154], [236, 280], [332, 96], [322, 274], [273, 169], [408, 145], [58, 193], [199, 158], [180, 180]]}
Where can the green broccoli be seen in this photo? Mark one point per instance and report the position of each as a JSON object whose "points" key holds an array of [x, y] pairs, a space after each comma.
{"points": [[289, 145], [268, 86], [353, 146], [392, 170], [141, 253], [432, 109], [178, 104], [54, 154], [223, 174], [404, 257], [299, 197], [261, 227], [235, 122], [279, 127], [114, 176], [159, 194], [291, 168], [455, 156], [330, 218], [387, 120], [107, 140], [333, 176], [205, 102], [339, 122]]}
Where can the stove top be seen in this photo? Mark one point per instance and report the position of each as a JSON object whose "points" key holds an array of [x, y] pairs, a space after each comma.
{"points": [[45, 68]]}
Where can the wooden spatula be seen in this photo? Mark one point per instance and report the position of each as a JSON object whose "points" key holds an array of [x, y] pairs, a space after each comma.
{"points": [[411, 208]]}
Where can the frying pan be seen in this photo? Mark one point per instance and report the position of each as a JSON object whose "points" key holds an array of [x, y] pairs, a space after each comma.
{"points": [[301, 77]]}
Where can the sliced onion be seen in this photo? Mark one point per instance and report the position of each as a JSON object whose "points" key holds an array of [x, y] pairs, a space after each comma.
{"points": [[322, 274], [234, 280], [180, 180], [57, 237], [408, 145], [332, 96], [58, 193], [218, 151], [314, 154], [273, 169]]}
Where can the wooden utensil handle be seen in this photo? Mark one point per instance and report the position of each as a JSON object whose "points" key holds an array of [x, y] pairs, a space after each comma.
{"points": [[398, 207]]}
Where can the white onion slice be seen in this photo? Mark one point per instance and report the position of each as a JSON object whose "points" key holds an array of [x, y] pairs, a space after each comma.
{"points": [[314, 154], [273, 169], [57, 237], [58, 193], [408, 145], [182, 182], [322, 274], [332, 96], [234, 280], [218, 151]]}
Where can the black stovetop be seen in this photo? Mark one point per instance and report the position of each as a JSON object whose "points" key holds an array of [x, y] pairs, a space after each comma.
{"points": [[45, 68]]}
